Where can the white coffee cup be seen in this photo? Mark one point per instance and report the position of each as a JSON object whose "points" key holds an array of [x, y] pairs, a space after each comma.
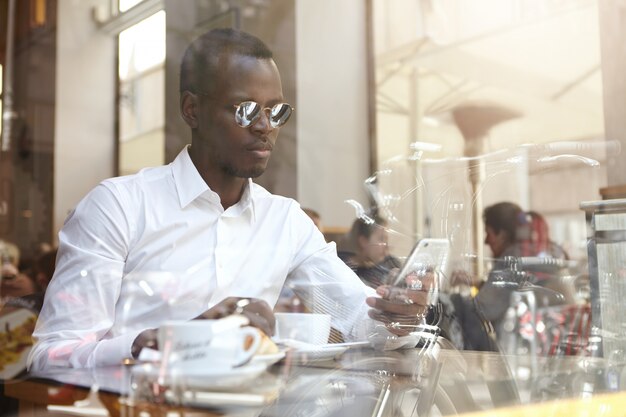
{"points": [[303, 327], [207, 344]]}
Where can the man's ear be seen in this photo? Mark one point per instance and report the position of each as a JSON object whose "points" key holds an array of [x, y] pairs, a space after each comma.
{"points": [[189, 108]]}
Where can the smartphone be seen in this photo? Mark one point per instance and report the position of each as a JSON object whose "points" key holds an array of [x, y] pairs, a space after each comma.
{"points": [[427, 255]]}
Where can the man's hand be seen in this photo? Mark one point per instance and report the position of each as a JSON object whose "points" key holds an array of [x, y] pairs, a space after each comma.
{"points": [[258, 312], [146, 339], [401, 309]]}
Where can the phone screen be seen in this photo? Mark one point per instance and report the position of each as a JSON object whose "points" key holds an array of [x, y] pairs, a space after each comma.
{"points": [[428, 255]]}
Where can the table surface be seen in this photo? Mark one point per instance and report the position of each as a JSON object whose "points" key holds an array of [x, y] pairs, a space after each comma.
{"points": [[362, 381]]}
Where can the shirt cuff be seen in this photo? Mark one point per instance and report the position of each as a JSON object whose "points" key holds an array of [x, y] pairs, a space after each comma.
{"points": [[113, 351]]}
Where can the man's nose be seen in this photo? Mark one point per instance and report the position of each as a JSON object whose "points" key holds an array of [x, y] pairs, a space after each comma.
{"points": [[262, 124]]}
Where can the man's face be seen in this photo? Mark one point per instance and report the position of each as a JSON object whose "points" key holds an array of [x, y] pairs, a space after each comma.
{"points": [[497, 241], [235, 151]]}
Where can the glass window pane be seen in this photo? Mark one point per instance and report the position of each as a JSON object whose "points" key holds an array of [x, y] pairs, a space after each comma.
{"points": [[142, 151], [141, 95], [142, 46], [127, 4], [141, 105]]}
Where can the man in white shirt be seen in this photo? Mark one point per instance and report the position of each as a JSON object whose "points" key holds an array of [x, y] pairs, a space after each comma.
{"points": [[190, 239]]}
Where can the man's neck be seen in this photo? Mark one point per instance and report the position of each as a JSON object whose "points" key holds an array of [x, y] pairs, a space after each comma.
{"points": [[230, 192], [228, 187]]}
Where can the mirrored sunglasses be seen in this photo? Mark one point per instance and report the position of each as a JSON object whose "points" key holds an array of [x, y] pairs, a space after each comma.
{"points": [[248, 112]]}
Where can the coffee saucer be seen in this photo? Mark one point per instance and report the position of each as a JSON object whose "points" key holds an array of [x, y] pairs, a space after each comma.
{"points": [[269, 359], [318, 353], [201, 378], [302, 352]]}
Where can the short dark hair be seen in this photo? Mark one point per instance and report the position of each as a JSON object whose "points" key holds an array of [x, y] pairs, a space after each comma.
{"points": [[503, 216], [202, 58], [362, 227]]}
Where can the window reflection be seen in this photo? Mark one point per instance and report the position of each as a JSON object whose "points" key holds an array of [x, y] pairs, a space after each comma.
{"points": [[141, 94]]}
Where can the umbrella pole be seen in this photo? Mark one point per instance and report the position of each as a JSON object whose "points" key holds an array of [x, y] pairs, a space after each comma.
{"points": [[476, 177]]}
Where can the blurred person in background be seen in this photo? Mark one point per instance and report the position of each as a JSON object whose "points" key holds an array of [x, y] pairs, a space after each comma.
{"points": [[366, 251], [22, 295], [481, 313], [533, 240], [501, 224], [27, 289], [9, 252], [13, 282], [512, 233], [16, 283]]}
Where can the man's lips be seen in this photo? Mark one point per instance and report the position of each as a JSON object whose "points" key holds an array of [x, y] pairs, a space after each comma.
{"points": [[261, 146], [261, 150]]}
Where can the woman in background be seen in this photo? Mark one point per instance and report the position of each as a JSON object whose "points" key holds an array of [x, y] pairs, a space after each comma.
{"points": [[366, 251]]}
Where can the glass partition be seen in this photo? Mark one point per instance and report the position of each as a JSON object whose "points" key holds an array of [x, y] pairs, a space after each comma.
{"points": [[460, 248]]}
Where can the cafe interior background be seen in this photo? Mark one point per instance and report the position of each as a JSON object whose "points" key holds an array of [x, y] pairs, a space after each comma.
{"points": [[429, 110]]}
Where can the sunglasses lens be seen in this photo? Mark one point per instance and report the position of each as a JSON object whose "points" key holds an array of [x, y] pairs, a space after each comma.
{"points": [[279, 114], [246, 113]]}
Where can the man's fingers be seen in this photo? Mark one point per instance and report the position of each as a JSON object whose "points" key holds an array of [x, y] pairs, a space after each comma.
{"points": [[260, 322], [390, 324], [398, 306], [258, 312], [393, 318], [260, 315], [416, 294], [420, 296], [401, 309]]}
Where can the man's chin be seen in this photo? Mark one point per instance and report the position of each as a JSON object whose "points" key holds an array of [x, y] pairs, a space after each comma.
{"points": [[255, 171], [247, 173]]}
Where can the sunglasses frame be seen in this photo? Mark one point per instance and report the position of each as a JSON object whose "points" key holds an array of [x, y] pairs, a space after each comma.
{"points": [[263, 109]]}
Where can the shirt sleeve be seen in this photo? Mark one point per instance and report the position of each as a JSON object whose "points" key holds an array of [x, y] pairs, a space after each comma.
{"points": [[79, 307], [325, 283]]}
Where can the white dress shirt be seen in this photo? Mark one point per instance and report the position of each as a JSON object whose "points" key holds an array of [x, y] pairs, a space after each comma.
{"points": [[158, 245]]}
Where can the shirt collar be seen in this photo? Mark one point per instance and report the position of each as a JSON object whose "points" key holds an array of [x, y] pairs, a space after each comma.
{"points": [[190, 185], [247, 202]]}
